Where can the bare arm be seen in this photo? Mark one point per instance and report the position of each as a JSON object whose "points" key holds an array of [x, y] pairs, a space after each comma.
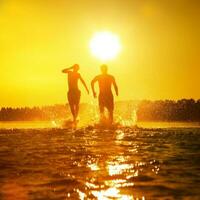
{"points": [[115, 86], [67, 70], [92, 85], [83, 82]]}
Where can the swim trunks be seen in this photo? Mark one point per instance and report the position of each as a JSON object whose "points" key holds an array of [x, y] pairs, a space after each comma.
{"points": [[74, 96], [106, 101]]}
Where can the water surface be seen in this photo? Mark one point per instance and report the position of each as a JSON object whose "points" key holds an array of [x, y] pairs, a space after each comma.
{"points": [[88, 163], [58, 124]]}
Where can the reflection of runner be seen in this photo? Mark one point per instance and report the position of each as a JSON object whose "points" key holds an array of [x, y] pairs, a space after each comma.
{"points": [[106, 99], [74, 93]]}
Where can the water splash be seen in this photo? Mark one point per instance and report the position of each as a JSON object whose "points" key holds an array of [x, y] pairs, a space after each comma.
{"points": [[134, 117], [94, 111], [132, 121]]}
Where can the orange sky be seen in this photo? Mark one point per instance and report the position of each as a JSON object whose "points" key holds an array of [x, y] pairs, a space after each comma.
{"points": [[160, 48]]}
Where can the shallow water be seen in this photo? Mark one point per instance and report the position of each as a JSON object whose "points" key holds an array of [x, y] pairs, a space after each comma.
{"points": [[88, 163], [58, 124]]}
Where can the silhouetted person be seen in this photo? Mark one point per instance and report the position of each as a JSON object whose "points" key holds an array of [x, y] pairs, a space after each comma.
{"points": [[74, 93], [106, 99]]}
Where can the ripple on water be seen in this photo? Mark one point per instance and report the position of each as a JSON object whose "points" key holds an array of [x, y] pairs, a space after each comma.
{"points": [[88, 163]]}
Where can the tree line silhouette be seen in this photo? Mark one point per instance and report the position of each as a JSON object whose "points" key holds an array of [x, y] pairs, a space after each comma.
{"points": [[35, 113], [162, 110], [168, 110]]}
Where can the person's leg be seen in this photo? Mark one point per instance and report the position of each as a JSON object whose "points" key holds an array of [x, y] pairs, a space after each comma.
{"points": [[110, 115], [102, 117], [77, 102], [110, 108], [71, 104], [76, 110], [101, 108], [72, 108]]}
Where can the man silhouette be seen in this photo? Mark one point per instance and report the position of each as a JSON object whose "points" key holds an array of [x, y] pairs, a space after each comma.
{"points": [[74, 93], [105, 98]]}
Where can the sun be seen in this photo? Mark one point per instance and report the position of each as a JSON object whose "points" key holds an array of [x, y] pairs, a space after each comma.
{"points": [[105, 45]]}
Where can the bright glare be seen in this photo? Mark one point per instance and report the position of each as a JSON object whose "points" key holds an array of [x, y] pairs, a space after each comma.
{"points": [[105, 45]]}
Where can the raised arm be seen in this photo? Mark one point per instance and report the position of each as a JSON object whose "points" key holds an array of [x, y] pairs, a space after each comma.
{"points": [[67, 70], [83, 82], [115, 86], [92, 85]]}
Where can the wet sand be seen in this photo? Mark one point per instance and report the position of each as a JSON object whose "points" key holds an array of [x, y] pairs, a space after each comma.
{"points": [[88, 163]]}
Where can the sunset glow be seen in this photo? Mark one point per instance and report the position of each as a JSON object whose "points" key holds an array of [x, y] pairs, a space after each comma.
{"points": [[99, 99], [151, 47]]}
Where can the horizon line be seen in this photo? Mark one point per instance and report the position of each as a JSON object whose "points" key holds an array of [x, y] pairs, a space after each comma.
{"points": [[118, 101]]}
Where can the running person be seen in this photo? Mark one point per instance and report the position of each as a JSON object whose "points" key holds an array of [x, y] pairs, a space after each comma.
{"points": [[74, 93], [105, 98]]}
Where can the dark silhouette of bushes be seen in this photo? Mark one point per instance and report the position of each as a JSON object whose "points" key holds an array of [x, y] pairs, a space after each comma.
{"points": [[35, 113], [168, 110], [162, 110]]}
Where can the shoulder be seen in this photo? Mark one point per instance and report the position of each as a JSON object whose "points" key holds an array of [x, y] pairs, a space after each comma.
{"points": [[69, 72], [75, 74], [97, 77], [111, 77]]}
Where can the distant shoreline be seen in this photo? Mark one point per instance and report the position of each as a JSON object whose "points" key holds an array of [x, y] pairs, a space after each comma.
{"points": [[184, 110], [34, 125]]}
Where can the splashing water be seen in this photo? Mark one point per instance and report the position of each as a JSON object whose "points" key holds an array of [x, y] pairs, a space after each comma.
{"points": [[134, 117], [89, 115], [94, 110], [132, 121]]}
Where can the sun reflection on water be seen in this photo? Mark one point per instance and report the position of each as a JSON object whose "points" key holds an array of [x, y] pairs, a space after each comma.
{"points": [[120, 176], [119, 168], [81, 194], [111, 193], [116, 171], [93, 166]]}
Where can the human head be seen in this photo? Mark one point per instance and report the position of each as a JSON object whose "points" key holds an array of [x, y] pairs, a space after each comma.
{"points": [[76, 67], [104, 69]]}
